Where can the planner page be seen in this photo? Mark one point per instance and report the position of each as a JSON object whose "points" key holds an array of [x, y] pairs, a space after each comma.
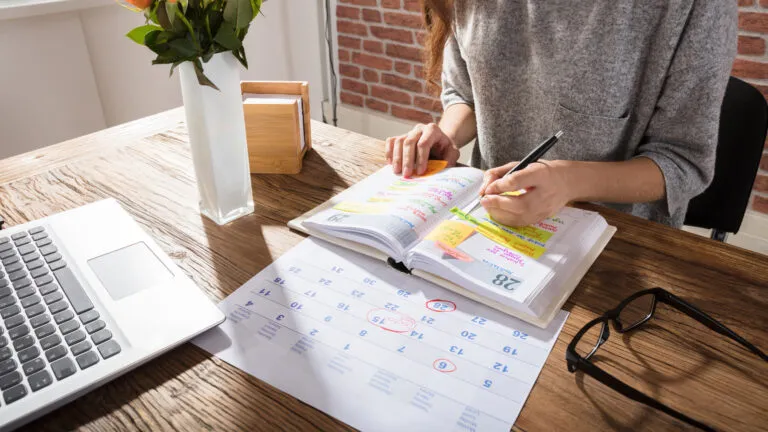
{"points": [[379, 349]]}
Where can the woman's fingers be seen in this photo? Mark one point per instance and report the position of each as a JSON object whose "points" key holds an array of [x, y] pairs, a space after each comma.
{"points": [[529, 177], [388, 148], [429, 136], [397, 155], [510, 211], [494, 174]]}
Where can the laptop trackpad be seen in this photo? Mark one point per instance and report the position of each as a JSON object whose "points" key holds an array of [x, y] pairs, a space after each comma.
{"points": [[129, 270]]}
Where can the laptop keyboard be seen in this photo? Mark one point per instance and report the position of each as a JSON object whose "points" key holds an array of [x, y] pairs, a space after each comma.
{"points": [[49, 328]]}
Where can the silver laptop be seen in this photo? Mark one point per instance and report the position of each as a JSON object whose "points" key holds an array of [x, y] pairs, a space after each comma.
{"points": [[85, 296]]}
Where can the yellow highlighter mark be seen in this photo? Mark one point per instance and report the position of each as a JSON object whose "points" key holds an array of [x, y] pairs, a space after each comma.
{"points": [[434, 167], [515, 193], [451, 233], [533, 233], [502, 237], [361, 207]]}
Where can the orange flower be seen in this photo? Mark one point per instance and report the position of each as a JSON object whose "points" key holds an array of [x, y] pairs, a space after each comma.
{"points": [[140, 4]]}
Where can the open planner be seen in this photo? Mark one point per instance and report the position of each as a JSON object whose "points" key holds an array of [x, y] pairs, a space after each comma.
{"points": [[420, 226]]}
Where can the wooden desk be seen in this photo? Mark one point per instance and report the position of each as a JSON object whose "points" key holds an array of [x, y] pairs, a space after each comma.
{"points": [[146, 165]]}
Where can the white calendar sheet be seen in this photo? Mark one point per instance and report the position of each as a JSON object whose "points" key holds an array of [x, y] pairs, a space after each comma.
{"points": [[379, 349]]}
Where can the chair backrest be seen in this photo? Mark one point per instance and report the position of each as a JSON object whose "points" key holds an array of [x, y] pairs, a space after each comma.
{"points": [[743, 123]]}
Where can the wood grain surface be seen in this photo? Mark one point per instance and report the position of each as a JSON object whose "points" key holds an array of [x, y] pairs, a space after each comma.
{"points": [[146, 166]]}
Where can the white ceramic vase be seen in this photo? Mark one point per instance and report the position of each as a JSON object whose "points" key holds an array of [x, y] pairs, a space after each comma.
{"points": [[217, 136]]}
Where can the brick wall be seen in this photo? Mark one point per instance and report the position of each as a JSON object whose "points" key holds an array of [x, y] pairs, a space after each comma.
{"points": [[380, 57], [752, 65]]}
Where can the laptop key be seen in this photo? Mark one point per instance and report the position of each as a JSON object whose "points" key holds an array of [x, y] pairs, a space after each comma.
{"points": [[22, 241], [18, 235], [26, 249], [75, 337], [45, 330], [109, 349], [95, 326], [4, 240], [63, 368], [3, 282], [44, 242], [47, 250], [9, 380], [48, 288], [28, 354], [36, 273], [35, 310], [39, 236], [14, 321], [69, 326], [7, 253], [22, 283], [30, 257], [10, 311], [40, 380], [53, 297], [7, 366], [82, 347], [30, 301], [17, 274], [40, 320], [5, 353], [12, 395], [11, 260], [5, 246], [58, 307], [87, 360], [101, 336], [62, 317], [33, 366], [4, 291], [7, 301], [89, 316], [25, 292], [35, 230], [18, 331], [56, 353], [50, 341], [3, 341], [23, 342], [36, 264], [74, 291], [52, 257], [60, 264]]}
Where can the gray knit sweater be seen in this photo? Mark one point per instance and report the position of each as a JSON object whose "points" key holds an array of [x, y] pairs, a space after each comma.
{"points": [[622, 78]]}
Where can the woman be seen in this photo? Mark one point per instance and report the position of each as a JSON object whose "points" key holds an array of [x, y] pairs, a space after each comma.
{"points": [[636, 85]]}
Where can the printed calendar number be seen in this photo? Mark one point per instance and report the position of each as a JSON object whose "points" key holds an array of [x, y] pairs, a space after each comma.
{"points": [[369, 281], [294, 270], [468, 335], [279, 281], [296, 306], [520, 335], [501, 367], [265, 292], [456, 350], [509, 350], [342, 306], [403, 293], [337, 269], [505, 282], [325, 282], [310, 293], [357, 293], [479, 320]]}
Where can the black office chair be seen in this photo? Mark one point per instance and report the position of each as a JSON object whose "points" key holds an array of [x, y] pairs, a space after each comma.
{"points": [[743, 124]]}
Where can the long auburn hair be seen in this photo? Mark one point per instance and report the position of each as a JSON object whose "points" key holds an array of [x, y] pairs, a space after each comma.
{"points": [[438, 19]]}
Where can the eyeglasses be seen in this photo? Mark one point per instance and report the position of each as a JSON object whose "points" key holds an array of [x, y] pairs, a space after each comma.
{"points": [[627, 316]]}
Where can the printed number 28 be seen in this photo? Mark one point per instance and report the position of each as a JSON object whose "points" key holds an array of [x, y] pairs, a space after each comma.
{"points": [[503, 281]]}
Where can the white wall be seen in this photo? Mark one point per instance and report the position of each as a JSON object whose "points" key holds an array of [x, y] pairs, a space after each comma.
{"points": [[68, 69]]}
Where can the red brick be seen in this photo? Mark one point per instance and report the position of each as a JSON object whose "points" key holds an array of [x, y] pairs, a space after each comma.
{"points": [[360, 2], [371, 15], [403, 83], [376, 105], [427, 104], [372, 61], [764, 162], [760, 204], [421, 38], [411, 114], [751, 45], [354, 86], [347, 12], [403, 67], [373, 46], [370, 76], [397, 35], [763, 3], [343, 55], [753, 21], [352, 99], [390, 4], [412, 5], [350, 27], [761, 183], [349, 42], [418, 71], [750, 69], [403, 20], [404, 52], [750, 2], [391, 95], [349, 71]]}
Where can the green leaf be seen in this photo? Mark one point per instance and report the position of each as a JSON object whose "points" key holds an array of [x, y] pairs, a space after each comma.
{"points": [[170, 10], [201, 78], [227, 38], [163, 19], [240, 56], [183, 5], [238, 12], [183, 47], [140, 33], [256, 6]]}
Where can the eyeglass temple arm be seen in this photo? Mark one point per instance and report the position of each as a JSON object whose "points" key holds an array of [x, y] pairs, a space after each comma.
{"points": [[710, 322], [636, 395]]}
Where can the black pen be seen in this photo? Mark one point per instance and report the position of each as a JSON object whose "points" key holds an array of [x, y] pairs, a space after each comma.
{"points": [[532, 157]]}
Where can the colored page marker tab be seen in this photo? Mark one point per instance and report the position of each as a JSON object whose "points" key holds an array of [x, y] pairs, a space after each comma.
{"points": [[362, 208], [515, 193], [501, 237], [434, 167], [533, 233], [451, 233]]}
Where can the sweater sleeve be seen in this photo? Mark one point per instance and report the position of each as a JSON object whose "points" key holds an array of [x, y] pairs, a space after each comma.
{"points": [[457, 87], [681, 136]]}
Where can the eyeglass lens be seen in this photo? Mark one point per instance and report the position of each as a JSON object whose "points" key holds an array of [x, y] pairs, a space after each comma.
{"points": [[590, 341], [637, 311]]}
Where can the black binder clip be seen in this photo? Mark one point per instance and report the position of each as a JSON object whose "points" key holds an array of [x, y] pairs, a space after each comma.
{"points": [[398, 266]]}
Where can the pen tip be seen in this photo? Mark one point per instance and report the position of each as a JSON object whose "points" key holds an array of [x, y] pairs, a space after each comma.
{"points": [[559, 134]]}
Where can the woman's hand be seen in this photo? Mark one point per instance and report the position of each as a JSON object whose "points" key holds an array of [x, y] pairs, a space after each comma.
{"points": [[408, 154], [547, 186]]}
